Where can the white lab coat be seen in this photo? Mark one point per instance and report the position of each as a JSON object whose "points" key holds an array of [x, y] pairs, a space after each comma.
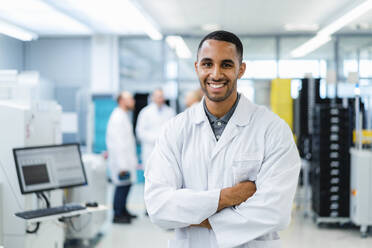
{"points": [[150, 124], [188, 168], [121, 146]]}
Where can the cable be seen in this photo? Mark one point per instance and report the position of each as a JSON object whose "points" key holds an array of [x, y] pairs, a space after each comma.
{"points": [[11, 187], [42, 199], [59, 223], [19, 204], [35, 230], [39, 197], [46, 199]]}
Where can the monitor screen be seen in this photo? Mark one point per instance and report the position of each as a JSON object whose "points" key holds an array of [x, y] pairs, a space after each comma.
{"points": [[49, 167]]}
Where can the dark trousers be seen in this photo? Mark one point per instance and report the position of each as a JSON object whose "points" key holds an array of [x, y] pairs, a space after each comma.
{"points": [[120, 200]]}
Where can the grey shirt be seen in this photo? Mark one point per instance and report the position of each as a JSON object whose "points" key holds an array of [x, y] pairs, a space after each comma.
{"points": [[219, 124]]}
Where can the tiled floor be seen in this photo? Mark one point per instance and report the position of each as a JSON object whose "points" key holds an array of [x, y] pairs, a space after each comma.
{"points": [[302, 233]]}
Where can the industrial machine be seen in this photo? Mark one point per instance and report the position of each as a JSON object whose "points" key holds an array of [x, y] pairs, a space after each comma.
{"points": [[303, 114], [87, 228], [361, 172], [330, 164], [361, 189], [25, 124]]}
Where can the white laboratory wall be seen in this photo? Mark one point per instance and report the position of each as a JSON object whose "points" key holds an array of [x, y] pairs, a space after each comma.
{"points": [[66, 61], [105, 64], [11, 53]]}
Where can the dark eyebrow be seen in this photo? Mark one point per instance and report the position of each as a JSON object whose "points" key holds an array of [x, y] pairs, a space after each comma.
{"points": [[205, 60], [223, 61], [228, 61]]}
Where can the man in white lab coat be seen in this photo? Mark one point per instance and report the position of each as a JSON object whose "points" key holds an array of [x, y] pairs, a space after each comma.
{"points": [[224, 172], [122, 159], [151, 121]]}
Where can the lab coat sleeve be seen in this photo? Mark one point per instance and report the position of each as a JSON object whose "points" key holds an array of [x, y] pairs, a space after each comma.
{"points": [[121, 146], [169, 204], [142, 131], [269, 209]]}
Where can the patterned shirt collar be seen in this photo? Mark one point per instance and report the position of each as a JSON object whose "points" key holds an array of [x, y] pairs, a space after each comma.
{"points": [[224, 119]]}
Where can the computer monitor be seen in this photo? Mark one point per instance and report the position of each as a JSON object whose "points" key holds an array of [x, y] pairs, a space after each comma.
{"points": [[49, 167]]}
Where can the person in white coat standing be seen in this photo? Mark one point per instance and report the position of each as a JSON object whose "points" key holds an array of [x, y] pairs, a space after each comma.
{"points": [[122, 158], [224, 172], [150, 122]]}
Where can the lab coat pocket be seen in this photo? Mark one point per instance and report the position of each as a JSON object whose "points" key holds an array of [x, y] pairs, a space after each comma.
{"points": [[265, 244], [178, 243], [245, 167]]}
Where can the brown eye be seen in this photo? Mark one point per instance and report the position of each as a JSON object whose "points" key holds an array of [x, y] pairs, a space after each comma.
{"points": [[226, 65]]}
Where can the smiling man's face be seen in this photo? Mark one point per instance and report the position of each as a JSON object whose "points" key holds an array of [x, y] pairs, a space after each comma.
{"points": [[218, 68]]}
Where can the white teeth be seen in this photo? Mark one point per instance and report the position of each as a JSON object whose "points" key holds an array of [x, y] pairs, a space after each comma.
{"points": [[216, 86]]}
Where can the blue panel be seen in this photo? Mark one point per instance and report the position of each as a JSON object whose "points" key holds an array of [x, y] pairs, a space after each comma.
{"points": [[103, 106], [140, 176]]}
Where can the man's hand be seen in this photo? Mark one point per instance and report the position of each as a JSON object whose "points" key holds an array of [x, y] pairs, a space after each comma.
{"points": [[204, 224], [123, 173], [235, 195]]}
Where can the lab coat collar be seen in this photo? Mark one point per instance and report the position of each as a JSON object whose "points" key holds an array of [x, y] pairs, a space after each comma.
{"points": [[120, 110], [241, 117], [156, 107], [200, 115]]}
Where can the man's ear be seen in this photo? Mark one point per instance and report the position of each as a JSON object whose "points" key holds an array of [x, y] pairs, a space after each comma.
{"points": [[242, 68]]}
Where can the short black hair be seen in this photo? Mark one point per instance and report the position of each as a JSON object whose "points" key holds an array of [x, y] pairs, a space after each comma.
{"points": [[222, 35]]}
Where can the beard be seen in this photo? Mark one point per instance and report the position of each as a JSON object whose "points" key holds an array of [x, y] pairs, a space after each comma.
{"points": [[218, 98]]}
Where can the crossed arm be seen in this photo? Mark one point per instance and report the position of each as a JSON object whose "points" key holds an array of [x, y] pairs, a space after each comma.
{"points": [[230, 197]]}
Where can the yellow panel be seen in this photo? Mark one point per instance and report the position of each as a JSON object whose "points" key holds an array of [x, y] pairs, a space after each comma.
{"points": [[281, 101], [366, 136]]}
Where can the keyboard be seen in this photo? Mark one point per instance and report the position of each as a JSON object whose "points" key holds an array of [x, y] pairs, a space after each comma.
{"points": [[50, 211]]}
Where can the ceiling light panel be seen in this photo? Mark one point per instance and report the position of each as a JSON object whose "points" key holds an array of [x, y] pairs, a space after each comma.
{"points": [[347, 18], [210, 27], [41, 18], [116, 16], [295, 27], [179, 45], [310, 46], [16, 32], [324, 35]]}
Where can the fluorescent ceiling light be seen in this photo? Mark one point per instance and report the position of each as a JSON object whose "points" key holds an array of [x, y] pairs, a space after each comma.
{"points": [[40, 17], [179, 45], [323, 36], [310, 46], [115, 16], [347, 18], [301, 27], [16, 32], [210, 27], [8, 72]]}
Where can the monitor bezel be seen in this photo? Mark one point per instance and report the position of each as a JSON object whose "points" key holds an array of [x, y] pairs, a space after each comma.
{"points": [[19, 175]]}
